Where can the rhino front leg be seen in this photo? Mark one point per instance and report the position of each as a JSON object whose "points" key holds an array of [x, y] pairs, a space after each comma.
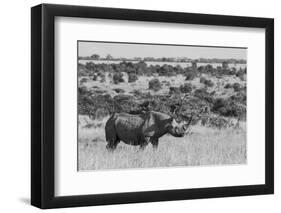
{"points": [[144, 143]]}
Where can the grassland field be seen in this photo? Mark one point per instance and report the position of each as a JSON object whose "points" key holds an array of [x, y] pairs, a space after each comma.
{"points": [[203, 146]]}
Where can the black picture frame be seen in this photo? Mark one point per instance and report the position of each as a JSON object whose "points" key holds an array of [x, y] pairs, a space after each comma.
{"points": [[43, 102]]}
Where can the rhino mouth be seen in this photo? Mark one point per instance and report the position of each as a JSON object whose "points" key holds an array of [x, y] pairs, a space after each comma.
{"points": [[180, 129], [177, 132]]}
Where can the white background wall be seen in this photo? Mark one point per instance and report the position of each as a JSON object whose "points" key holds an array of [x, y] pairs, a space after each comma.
{"points": [[15, 105]]}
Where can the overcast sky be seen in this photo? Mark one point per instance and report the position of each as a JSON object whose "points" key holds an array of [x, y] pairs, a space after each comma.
{"points": [[157, 51]]}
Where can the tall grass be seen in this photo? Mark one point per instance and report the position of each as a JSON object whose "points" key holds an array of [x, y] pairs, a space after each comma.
{"points": [[205, 146]]}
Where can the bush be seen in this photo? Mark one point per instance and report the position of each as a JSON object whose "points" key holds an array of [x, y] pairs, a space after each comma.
{"points": [[125, 103], [166, 70], [83, 80], [204, 95], [174, 90], [190, 76], [240, 97], [132, 77], [119, 90], [95, 77], [94, 105], [237, 87], [154, 84], [102, 76], [229, 108], [166, 83], [209, 83], [218, 122], [118, 77], [186, 88], [228, 86], [202, 80]]}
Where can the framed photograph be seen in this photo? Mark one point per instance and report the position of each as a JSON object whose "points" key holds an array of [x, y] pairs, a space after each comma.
{"points": [[136, 106]]}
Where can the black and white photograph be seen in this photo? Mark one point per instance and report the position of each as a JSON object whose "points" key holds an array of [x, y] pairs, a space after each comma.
{"points": [[143, 105], [160, 105]]}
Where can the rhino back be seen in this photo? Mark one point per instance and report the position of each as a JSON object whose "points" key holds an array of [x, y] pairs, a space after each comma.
{"points": [[155, 124], [128, 128]]}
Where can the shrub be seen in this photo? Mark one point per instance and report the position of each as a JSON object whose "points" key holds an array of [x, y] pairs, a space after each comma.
{"points": [[95, 77], [229, 108], [90, 66], [174, 90], [171, 73], [166, 70], [239, 97], [132, 77], [190, 76], [94, 105], [237, 87], [136, 92], [166, 83], [102, 76], [186, 88], [202, 80], [204, 95], [83, 80], [209, 68], [119, 90], [219, 103], [125, 103], [154, 84], [209, 83], [218, 122], [118, 77], [228, 86]]}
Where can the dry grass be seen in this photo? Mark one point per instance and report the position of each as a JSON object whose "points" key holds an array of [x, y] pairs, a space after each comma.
{"points": [[205, 146]]}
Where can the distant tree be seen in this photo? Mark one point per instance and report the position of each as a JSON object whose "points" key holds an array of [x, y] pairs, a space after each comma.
{"points": [[137, 58], [225, 65], [95, 56], [194, 65], [108, 57]]}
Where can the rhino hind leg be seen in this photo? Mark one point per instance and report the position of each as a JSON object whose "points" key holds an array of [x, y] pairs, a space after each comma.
{"points": [[154, 142], [111, 137], [112, 144]]}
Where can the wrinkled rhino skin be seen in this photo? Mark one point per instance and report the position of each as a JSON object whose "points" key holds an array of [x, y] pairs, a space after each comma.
{"points": [[140, 129]]}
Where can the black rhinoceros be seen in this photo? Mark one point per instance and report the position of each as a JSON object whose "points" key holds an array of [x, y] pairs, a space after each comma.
{"points": [[141, 129]]}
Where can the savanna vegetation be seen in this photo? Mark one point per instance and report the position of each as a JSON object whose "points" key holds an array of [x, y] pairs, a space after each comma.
{"points": [[215, 98]]}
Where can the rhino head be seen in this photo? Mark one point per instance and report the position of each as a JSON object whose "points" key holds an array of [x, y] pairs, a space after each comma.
{"points": [[178, 129]]}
